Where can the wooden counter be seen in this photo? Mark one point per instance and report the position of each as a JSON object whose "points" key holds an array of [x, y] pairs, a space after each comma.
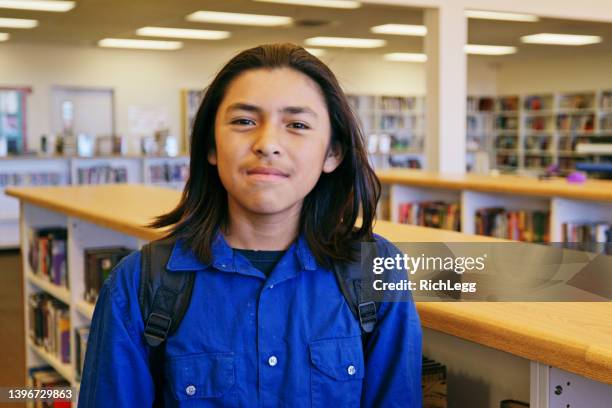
{"points": [[598, 190], [576, 337]]}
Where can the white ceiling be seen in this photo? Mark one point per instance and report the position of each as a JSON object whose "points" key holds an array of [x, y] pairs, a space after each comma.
{"points": [[93, 20]]}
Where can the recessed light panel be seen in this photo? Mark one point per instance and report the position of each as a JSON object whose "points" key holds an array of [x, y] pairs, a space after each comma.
{"points": [[239, 19], [400, 29], [182, 33], [140, 44], [345, 42], [561, 39]]}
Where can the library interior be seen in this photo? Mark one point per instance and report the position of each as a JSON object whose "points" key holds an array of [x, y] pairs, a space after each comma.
{"points": [[485, 121]]}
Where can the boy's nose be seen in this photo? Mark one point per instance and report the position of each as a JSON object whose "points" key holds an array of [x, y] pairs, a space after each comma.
{"points": [[267, 142]]}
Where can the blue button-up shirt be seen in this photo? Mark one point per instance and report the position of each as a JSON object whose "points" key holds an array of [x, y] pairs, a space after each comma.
{"points": [[247, 340]]}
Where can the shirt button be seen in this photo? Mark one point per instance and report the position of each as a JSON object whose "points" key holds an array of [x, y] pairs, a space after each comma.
{"points": [[272, 361], [190, 390], [270, 287], [351, 370]]}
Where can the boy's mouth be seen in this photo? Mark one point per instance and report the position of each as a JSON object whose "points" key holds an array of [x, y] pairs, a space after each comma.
{"points": [[267, 173]]}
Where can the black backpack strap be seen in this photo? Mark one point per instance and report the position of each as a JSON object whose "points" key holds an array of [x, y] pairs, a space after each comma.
{"points": [[356, 286], [164, 297]]}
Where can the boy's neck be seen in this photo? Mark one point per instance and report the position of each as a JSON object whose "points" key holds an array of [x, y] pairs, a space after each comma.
{"points": [[273, 232]]}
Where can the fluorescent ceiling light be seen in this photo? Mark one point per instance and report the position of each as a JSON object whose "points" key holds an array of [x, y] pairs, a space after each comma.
{"points": [[38, 5], [317, 52], [140, 44], [182, 33], [400, 29], [342, 4], [561, 39], [345, 42], [4, 36], [496, 15], [239, 18], [489, 49], [17, 23], [405, 57]]}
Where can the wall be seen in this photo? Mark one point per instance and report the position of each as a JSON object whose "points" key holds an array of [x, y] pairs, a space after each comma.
{"points": [[576, 73], [154, 78]]}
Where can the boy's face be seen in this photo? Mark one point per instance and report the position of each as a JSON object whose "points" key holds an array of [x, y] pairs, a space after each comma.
{"points": [[272, 135]]}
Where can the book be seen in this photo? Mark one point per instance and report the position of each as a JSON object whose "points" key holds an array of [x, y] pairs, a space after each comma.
{"points": [[433, 214], [521, 225], [47, 254], [99, 263], [49, 326]]}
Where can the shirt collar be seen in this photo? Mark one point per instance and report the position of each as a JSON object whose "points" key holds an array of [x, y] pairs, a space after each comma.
{"points": [[183, 258]]}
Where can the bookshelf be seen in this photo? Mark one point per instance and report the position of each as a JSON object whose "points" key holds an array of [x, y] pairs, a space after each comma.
{"points": [[394, 128], [103, 170], [506, 345], [25, 172], [166, 171], [585, 203], [480, 126], [190, 102], [170, 172], [80, 236], [531, 132]]}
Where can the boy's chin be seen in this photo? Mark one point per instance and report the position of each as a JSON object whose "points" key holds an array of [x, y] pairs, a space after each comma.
{"points": [[273, 207]]}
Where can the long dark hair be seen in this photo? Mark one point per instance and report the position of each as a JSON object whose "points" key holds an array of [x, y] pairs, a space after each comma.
{"points": [[329, 212]]}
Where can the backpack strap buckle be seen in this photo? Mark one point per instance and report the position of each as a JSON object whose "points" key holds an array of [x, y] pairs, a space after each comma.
{"points": [[156, 329], [367, 316]]}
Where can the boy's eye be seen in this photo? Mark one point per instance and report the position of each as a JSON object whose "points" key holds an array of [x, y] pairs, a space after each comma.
{"points": [[299, 125], [243, 121]]}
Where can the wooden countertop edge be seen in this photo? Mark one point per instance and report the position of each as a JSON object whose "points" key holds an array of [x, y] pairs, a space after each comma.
{"points": [[538, 190], [137, 231], [592, 362]]}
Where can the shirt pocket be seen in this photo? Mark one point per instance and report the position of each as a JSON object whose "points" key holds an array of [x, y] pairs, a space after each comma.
{"points": [[205, 379], [337, 370]]}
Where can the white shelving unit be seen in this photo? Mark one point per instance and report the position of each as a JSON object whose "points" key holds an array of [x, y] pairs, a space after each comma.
{"points": [[91, 170], [561, 209], [32, 171], [533, 131], [169, 172], [81, 235], [25, 171], [394, 128]]}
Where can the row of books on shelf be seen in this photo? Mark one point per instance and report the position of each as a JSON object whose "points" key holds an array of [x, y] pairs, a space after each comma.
{"points": [[46, 377], [398, 103], [521, 225], [49, 325], [31, 179], [99, 263], [576, 123], [605, 122], [577, 101], [587, 232], [537, 160], [168, 172], [102, 174], [433, 214], [47, 254], [405, 162]]}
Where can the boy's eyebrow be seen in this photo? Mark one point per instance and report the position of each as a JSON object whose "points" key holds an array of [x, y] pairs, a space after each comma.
{"points": [[288, 109]]}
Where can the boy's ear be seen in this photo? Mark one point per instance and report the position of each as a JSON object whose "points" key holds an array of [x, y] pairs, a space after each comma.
{"points": [[333, 158], [212, 157]]}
